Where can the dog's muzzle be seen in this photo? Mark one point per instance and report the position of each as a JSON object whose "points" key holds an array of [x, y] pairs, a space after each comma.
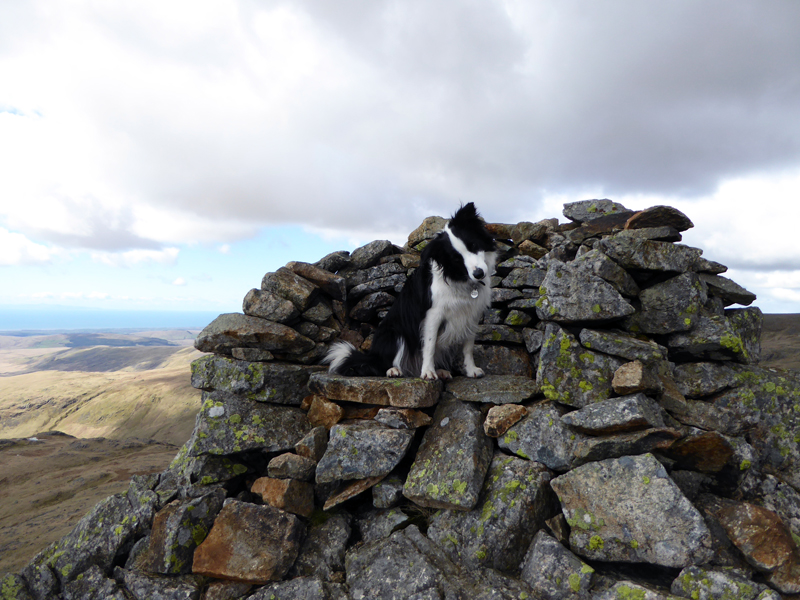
{"points": [[478, 273]]}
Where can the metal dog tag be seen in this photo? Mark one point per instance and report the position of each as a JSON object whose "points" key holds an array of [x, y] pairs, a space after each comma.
{"points": [[474, 293]]}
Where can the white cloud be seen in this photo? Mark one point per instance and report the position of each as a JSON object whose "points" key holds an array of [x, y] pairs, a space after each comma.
{"points": [[167, 256], [179, 281], [225, 249], [16, 249]]}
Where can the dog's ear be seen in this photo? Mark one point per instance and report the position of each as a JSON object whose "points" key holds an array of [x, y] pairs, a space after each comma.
{"points": [[466, 212]]}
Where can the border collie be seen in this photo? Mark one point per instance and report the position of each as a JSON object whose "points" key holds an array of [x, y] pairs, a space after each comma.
{"points": [[436, 314]]}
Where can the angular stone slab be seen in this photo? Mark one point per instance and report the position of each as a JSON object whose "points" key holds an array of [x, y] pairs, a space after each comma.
{"points": [[571, 374], [234, 330], [427, 230], [659, 216], [227, 424], [500, 418], [670, 306], [393, 283], [572, 295], [635, 376], [452, 460], [589, 210], [331, 284], [555, 572], [361, 450], [759, 534], [250, 544], [503, 360], [313, 444], [292, 287], [665, 233], [623, 345], [696, 380], [541, 436], [408, 566], [322, 553], [401, 392], [525, 277], [159, 587], [623, 444], [513, 504], [387, 493], [494, 389], [629, 510], [597, 263], [498, 334], [730, 291], [355, 278], [379, 524], [292, 466], [734, 337], [93, 585], [178, 529], [266, 305], [350, 489], [290, 495], [713, 584], [369, 254], [629, 589], [636, 253], [616, 415], [369, 305], [264, 382]]}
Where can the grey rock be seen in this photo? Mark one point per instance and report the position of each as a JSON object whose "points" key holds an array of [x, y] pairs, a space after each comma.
{"points": [[596, 263], [670, 306], [369, 254], [355, 278], [623, 345], [664, 233], [380, 524], [286, 284], [402, 418], [525, 277], [623, 444], [429, 227], [408, 566], [502, 360], [178, 529], [541, 436], [233, 330], [331, 284], [515, 262], [495, 389], [452, 460], [334, 262], [13, 587], [493, 316], [226, 590], [572, 295], [313, 444], [657, 216], [501, 295], [392, 283], [498, 333], [629, 510], [783, 500], [733, 337], [227, 424], [40, 578], [533, 339], [571, 374], [517, 318], [319, 313], [729, 291], [637, 253], [629, 589], [387, 493], [703, 265], [555, 572], [292, 466], [696, 380], [615, 415], [252, 354], [93, 585], [264, 382], [381, 391], [714, 584], [301, 588], [514, 502], [144, 586], [368, 306], [322, 552], [589, 210], [525, 230], [88, 544], [361, 450], [266, 305]]}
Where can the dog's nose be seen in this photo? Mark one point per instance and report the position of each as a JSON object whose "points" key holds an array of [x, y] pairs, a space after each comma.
{"points": [[478, 273]]}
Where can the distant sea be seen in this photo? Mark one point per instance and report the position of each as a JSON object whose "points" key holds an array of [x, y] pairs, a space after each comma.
{"points": [[63, 317]]}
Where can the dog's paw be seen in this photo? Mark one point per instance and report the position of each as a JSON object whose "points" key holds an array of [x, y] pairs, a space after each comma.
{"points": [[443, 374], [474, 372], [394, 372], [429, 374]]}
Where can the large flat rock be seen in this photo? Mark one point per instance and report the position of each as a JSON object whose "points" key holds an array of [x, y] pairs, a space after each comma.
{"points": [[401, 392]]}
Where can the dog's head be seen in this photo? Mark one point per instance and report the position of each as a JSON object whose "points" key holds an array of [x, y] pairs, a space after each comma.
{"points": [[473, 242]]}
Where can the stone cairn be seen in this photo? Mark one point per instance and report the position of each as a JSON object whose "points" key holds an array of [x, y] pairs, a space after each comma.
{"points": [[624, 443]]}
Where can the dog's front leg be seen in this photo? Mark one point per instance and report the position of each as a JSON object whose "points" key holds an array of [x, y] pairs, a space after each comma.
{"points": [[470, 370], [430, 334]]}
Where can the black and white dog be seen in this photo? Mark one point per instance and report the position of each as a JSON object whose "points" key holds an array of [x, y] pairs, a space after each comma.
{"points": [[437, 313]]}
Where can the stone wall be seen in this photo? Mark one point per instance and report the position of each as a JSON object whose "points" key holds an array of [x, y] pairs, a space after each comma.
{"points": [[624, 442]]}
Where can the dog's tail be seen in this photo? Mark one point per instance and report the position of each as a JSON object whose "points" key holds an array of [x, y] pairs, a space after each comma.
{"points": [[344, 359]]}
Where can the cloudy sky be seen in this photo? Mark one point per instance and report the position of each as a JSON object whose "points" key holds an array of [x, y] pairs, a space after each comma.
{"points": [[165, 155]]}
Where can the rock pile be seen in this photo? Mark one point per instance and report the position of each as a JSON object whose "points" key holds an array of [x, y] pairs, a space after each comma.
{"points": [[624, 443]]}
